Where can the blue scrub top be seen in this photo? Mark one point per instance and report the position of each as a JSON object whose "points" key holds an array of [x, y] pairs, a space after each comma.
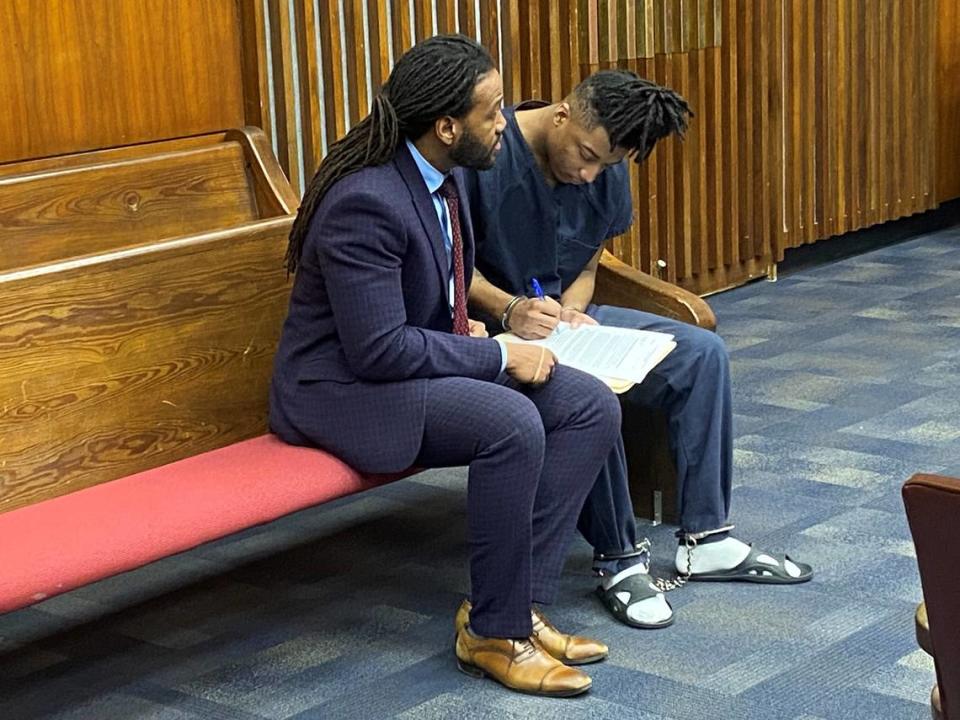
{"points": [[525, 229]]}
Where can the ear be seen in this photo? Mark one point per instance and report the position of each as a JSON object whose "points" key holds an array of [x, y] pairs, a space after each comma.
{"points": [[447, 130], [561, 114]]}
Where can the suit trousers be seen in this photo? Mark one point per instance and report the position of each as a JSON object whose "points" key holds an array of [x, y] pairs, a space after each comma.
{"points": [[533, 455], [692, 386]]}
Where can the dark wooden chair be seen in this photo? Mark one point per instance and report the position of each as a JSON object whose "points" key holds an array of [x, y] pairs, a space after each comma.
{"points": [[933, 504], [653, 477]]}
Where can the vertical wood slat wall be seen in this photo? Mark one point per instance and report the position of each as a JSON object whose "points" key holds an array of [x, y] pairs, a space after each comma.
{"points": [[813, 117]]}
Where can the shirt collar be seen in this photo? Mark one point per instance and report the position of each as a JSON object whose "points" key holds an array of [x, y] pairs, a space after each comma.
{"points": [[431, 176]]}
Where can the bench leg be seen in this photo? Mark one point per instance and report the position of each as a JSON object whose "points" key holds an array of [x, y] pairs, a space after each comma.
{"points": [[653, 477]]}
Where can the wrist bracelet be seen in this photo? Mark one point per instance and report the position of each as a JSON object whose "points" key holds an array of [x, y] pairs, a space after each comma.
{"points": [[505, 315]]}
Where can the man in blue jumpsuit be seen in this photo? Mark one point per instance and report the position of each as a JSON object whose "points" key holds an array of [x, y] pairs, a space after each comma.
{"points": [[558, 191]]}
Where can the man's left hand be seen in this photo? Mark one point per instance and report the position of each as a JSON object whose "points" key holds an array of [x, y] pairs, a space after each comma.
{"points": [[576, 318], [477, 329]]}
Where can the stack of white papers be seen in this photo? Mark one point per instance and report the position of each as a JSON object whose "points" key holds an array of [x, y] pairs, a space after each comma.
{"points": [[621, 357]]}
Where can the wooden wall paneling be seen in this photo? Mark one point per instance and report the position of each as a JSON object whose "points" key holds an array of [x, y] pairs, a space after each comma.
{"points": [[378, 19], [446, 16], [791, 135], [935, 96], [695, 152], [809, 115], [423, 19], [531, 50], [666, 183], [308, 78], [552, 26], [403, 30], [254, 61], [629, 31], [688, 163], [681, 242], [511, 64], [331, 44], [730, 122], [356, 59], [929, 99], [921, 44], [570, 50], [588, 32], [845, 131], [858, 105], [821, 107], [602, 36], [490, 30], [86, 75], [808, 110], [716, 227], [645, 215], [285, 84], [872, 77], [616, 51], [745, 138], [711, 23], [761, 176], [895, 70], [887, 111], [914, 96], [946, 109], [674, 25], [468, 17], [775, 156]]}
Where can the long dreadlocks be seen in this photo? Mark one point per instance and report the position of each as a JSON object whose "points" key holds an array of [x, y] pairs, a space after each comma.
{"points": [[636, 113], [432, 80]]}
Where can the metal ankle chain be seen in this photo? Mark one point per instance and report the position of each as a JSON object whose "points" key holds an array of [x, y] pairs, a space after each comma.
{"points": [[643, 548], [690, 541]]}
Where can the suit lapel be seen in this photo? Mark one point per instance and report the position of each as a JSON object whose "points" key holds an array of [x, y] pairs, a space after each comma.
{"points": [[426, 211]]}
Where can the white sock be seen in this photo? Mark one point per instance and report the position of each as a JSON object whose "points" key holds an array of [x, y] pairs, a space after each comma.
{"points": [[651, 610], [722, 555]]}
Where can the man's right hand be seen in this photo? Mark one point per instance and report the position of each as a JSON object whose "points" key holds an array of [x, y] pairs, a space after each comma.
{"points": [[529, 364], [533, 319]]}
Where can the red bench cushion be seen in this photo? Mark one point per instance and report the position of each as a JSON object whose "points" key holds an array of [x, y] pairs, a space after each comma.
{"points": [[63, 543]]}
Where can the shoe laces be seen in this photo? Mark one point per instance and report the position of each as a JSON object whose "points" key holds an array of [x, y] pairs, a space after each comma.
{"points": [[542, 623], [527, 649]]}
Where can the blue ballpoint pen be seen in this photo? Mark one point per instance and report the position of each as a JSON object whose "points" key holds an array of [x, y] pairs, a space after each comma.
{"points": [[536, 288]]}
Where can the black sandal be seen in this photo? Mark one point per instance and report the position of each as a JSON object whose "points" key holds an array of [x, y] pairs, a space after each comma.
{"points": [[751, 569], [639, 587]]}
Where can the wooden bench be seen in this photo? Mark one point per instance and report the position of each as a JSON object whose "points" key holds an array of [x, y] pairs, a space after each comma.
{"points": [[142, 293]]}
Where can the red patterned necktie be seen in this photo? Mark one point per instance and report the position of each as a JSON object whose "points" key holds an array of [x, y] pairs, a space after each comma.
{"points": [[449, 192]]}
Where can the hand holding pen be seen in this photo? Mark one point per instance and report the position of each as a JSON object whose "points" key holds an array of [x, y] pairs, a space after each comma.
{"points": [[536, 317]]}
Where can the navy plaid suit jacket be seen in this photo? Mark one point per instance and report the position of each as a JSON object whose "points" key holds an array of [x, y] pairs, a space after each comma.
{"points": [[369, 321]]}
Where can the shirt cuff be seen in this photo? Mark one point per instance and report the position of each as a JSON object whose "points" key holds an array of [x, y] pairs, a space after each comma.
{"points": [[503, 356]]}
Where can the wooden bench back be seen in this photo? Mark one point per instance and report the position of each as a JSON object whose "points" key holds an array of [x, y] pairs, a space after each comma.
{"points": [[165, 192], [146, 335]]}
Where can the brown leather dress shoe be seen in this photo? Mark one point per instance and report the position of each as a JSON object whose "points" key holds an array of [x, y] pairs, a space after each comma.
{"points": [[521, 665], [568, 649]]}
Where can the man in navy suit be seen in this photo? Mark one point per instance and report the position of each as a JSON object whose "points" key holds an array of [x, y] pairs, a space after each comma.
{"points": [[379, 364]]}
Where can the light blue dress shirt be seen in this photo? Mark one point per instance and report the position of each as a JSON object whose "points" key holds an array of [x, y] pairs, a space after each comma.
{"points": [[433, 179]]}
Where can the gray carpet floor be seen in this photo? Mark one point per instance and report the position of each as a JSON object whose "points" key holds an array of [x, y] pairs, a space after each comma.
{"points": [[846, 381]]}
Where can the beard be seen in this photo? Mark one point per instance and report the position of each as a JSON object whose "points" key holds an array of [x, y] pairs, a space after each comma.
{"points": [[470, 152]]}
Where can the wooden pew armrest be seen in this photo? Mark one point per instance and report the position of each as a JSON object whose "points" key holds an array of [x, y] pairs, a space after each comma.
{"points": [[624, 286]]}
